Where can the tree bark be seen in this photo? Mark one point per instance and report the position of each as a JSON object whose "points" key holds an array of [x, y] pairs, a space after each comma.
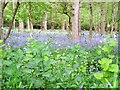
{"points": [[1, 21], [45, 21], [52, 26], [79, 21], [102, 18], [119, 18], [2, 8], [63, 25], [91, 17], [21, 26], [107, 21], [13, 6], [75, 20], [30, 19], [10, 27], [67, 26], [113, 17], [28, 24]]}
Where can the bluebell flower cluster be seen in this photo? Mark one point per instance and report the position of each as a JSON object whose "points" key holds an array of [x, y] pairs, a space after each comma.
{"points": [[59, 39]]}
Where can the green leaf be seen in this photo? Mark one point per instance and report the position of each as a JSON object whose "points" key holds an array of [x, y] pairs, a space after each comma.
{"points": [[98, 52], [111, 56], [18, 65], [1, 41], [105, 63], [105, 60], [98, 75], [38, 83], [8, 63], [75, 66], [105, 66], [114, 68], [112, 43], [105, 49], [26, 70]]}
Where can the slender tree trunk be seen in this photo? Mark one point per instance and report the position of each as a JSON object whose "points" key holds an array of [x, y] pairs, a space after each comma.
{"points": [[13, 6], [10, 27], [91, 17], [75, 20], [52, 26], [1, 22], [21, 26], [119, 20], [67, 26], [30, 19], [116, 17], [113, 17], [63, 25], [79, 16], [28, 24], [95, 24], [102, 18], [45, 21], [107, 22]]}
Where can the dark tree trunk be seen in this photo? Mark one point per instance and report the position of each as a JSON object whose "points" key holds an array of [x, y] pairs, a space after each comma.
{"points": [[1, 21], [102, 18], [119, 17], [91, 17], [10, 27], [13, 6], [2, 8]]}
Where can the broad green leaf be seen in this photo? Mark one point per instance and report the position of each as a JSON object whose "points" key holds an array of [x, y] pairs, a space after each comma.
{"points": [[26, 70], [105, 49], [75, 66], [113, 43], [8, 63], [105, 66], [105, 60], [114, 68], [111, 56], [1, 41], [98, 52], [98, 75], [18, 65], [38, 83]]}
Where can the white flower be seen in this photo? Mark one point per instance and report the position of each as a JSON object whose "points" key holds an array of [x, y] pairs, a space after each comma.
{"points": [[56, 43], [45, 42], [59, 45], [114, 36], [101, 41]]}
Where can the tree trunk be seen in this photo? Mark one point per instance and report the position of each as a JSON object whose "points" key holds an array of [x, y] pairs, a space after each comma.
{"points": [[91, 17], [10, 27], [113, 17], [45, 21], [67, 26], [102, 18], [1, 22], [13, 6], [75, 20], [30, 19], [79, 16], [28, 24], [119, 21], [107, 22], [63, 25], [52, 26], [21, 26]]}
